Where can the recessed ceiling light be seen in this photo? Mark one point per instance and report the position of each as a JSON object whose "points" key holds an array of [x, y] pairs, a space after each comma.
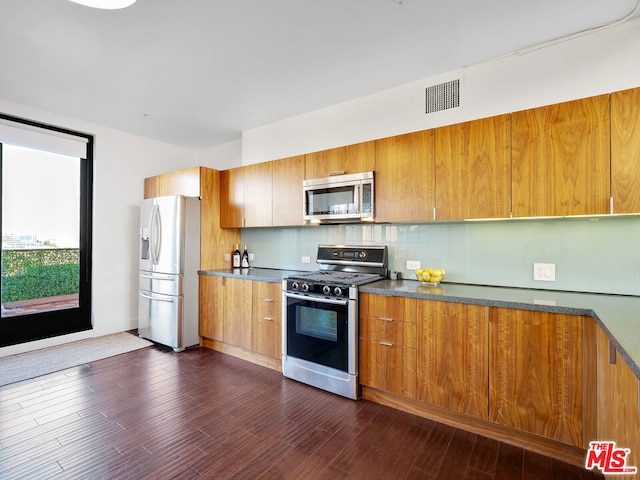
{"points": [[106, 4]]}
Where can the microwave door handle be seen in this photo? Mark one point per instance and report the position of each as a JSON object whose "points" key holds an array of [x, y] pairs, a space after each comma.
{"points": [[358, 192]]}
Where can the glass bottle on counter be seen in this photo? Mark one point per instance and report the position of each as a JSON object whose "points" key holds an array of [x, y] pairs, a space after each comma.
{"points": [[245, 258], [236, 257]]}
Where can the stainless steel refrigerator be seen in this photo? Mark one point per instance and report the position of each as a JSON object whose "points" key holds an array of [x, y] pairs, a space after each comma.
{"points": [[168, 276]]}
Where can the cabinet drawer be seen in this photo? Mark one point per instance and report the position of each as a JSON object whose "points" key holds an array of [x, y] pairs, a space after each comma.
{"points": [[266, 308], [382, 306], [267, 290], [391, 368], [383, 329]]}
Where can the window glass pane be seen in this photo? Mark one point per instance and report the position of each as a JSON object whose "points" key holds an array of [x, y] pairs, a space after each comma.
{"points": [[40, 231]]}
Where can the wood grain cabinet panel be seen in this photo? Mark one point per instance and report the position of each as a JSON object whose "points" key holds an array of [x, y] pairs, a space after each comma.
{"points": [[211, 307], [561, 159], [618, 402], [267, 319], [625, 151], [237, 312], [388, 367], [405, 178], [453, 360], [181, 182], [258, 191], [388, 344], [288, 175], [232, 198], [538, 381], [356, 158], [473, 169]]}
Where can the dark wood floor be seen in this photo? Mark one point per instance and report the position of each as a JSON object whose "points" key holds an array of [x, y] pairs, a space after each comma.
{"points": [[156, 414]]}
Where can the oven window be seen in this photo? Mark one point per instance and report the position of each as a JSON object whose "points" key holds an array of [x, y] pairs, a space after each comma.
{"points": [[318, 332], [316, 323]]}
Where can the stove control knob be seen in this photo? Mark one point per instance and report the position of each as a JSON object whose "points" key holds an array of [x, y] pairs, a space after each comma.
{"points": [[294, 286], [326, 289], [337, 291], [305, 287]]}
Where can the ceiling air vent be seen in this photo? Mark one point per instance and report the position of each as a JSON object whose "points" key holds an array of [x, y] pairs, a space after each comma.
{"points": [[442, 96]]}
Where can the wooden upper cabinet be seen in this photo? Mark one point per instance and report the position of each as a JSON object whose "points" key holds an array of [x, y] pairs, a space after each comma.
{"points": [[356, 158], [625, 150], [561, 159], [232, 198], [288, 175], [404, 178], [182, 182], [473, 169], [257, 195]]}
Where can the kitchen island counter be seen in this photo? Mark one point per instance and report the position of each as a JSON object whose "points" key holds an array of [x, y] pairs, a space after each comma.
{"points": [[617, 315]]}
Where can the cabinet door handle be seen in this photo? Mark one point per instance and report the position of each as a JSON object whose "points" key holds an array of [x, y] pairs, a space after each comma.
{"points": [[268, 300], [386, 319], [386, 344], [268, 319]]}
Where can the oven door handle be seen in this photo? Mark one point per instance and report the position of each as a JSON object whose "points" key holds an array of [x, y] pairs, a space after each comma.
{"points": [[316, 299]]}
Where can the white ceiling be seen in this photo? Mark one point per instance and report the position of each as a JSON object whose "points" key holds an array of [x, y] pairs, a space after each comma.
{"points": [[196, 73]]}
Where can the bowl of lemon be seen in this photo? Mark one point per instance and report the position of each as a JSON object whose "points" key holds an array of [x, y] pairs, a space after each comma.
{"points": [[430, 276]]}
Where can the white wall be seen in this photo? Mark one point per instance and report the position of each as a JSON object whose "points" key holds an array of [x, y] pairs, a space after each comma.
{"points": [[599, 62], [121, 162], [221, 157]]}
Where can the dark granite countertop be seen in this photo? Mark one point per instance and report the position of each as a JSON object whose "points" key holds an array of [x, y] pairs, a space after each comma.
{"points": [[618, 315], [262, 274]]}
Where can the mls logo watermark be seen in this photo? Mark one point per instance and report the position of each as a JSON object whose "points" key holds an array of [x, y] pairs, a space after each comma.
{"points": [[609, 459]]}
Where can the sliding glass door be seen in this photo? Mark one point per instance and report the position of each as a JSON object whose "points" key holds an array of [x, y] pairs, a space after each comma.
{"points": [[46, 243]]}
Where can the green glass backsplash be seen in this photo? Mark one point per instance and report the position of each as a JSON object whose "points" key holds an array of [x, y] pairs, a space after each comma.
{"points": [[600, 254]]}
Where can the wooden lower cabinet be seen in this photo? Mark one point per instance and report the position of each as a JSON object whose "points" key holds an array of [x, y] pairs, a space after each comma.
{"points": [[242, 317], [524, 377], [453, 360], [211, 311], [266, 326], [542, 374], [388, 344], [618, 402]]}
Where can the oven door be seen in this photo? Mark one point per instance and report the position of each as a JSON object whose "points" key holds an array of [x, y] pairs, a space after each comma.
{"points": [[321, 331]]}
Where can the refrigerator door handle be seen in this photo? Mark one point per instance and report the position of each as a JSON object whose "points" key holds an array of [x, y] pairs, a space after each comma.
{"points": [[159, 298], [156, 232], [155, 276]]}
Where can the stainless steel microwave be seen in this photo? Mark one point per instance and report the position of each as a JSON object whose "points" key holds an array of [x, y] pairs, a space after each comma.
{"points": [[339, 198]]}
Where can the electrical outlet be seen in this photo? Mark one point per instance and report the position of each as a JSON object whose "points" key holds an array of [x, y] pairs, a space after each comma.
{"points": [[251, 257], [306, 259], [545, 272], [413, 264], [227, 257]]}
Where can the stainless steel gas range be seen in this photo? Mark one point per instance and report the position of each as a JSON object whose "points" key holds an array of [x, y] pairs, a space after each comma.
{"points": [[320, 317]]}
